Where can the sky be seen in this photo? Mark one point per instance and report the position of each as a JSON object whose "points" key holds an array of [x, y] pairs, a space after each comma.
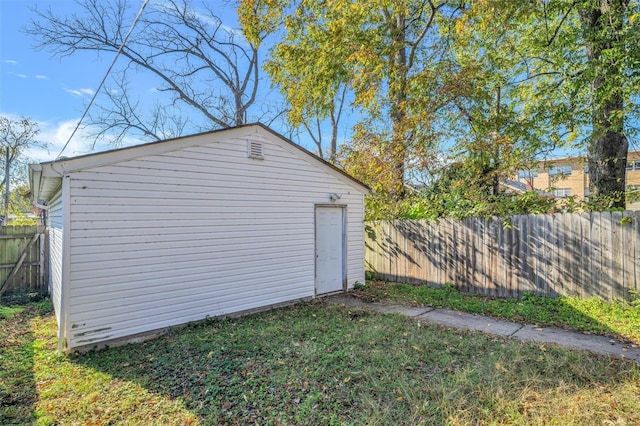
{"points": [[34, 85], [55, 91]]}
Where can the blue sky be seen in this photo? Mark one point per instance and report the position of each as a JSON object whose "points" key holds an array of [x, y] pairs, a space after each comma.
{"points": [[53, 91], [32, 84]]}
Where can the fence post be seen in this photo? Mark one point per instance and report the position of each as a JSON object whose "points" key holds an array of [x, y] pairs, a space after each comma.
{"points": [[42, 267]]}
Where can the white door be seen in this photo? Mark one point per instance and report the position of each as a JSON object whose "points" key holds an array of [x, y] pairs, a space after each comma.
{"points": [[329, 249]]}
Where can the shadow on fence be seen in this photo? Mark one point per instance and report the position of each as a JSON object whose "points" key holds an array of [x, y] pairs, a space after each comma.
{"points": [[588, 254]]}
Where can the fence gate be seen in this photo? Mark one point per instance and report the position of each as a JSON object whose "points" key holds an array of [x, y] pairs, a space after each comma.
{"points": [[23, 263]]}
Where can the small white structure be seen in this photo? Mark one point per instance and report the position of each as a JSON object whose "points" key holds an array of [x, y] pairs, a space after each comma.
{"points": [[165, 233]]}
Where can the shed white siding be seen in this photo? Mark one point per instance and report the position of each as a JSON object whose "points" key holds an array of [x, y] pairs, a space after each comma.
{"points": [[55, 225], [201, 231]]}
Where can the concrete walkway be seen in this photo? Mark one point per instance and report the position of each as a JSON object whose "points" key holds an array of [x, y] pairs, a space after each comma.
{"points": [[526, 333]]}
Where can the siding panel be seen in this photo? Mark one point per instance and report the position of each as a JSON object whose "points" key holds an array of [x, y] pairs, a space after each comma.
{"points": [[55, 246]]}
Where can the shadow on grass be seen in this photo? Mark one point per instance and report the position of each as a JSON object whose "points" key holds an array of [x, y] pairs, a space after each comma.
{"points": [[17, 382], [317, 364]]}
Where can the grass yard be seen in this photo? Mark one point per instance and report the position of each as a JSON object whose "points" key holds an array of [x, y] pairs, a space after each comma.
{"points": [[619, 319], [308, 364]]}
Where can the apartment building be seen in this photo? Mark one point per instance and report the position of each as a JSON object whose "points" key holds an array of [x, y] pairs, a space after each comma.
{"points": [[565, 177]]}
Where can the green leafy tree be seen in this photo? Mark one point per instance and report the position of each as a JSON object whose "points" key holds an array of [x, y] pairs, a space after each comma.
{"points": [[568, 69], [383, 51], [16, 137], [20, 207], [499, 82]]}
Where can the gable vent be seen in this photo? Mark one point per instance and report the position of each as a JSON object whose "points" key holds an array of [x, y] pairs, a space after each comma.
{"points": [[255, 150]]}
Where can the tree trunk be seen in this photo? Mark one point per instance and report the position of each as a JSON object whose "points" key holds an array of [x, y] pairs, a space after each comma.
{"points": [[397, 98], [334, 137], [608, 147], [496, 149], [607, 159]]}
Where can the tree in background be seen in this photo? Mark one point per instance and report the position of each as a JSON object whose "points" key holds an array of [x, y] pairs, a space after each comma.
{"points": [[611, 41], [209, 71], [483, 114], [568, 69], [16, 137], [383, 52], [496, 83], [312, 76]]}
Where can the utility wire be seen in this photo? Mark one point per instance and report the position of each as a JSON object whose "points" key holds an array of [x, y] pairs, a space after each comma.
{"points": [[95, 94]]}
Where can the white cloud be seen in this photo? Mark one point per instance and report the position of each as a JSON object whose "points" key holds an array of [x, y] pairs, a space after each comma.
{"points": [[10, 61], [80, 92], [56, 135], [21, 75], [73, 92], [42, 77]]}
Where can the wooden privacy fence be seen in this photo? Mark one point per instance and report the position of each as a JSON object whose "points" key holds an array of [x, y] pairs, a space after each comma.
{"points": [[581, 254], [22, 259]]}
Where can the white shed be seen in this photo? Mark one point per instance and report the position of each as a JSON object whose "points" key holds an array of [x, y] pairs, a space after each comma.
{"points": [[165, 233]]}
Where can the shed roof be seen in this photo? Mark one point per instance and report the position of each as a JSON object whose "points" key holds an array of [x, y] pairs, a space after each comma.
{"points": [[46, 177]]}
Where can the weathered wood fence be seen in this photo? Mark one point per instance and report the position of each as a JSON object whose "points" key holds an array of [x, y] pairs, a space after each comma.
{"points": [[582, 254], [23, 262]]}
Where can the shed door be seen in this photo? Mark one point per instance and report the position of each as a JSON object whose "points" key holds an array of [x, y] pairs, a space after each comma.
{"points": [[330, 249]]}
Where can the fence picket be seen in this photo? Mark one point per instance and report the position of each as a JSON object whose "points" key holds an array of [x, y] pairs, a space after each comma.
{"points": [[524, 266], [627, 261], [615, 255]]}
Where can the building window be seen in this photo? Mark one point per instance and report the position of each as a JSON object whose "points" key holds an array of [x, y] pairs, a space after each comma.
{"points": [[527, 174], [562, 192], [633, 165], [560, 170]]}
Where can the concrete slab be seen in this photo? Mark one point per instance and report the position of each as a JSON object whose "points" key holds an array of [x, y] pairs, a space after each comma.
{"points": [[385, 308], [410, 311], [569, 339], [467, 321]]}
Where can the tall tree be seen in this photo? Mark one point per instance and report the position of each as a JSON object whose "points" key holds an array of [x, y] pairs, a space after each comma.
{"points": [[569, 69], [16, 137], [383, 51], [605, 27], [209, 70]]}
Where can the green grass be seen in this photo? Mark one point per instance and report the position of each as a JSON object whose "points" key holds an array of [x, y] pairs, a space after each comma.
{"points": [[17, 382], [593, 315], [309, 364]]}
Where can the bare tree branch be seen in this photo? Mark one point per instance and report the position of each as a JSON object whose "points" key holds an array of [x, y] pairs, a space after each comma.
{"points": [[203, 65]]}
